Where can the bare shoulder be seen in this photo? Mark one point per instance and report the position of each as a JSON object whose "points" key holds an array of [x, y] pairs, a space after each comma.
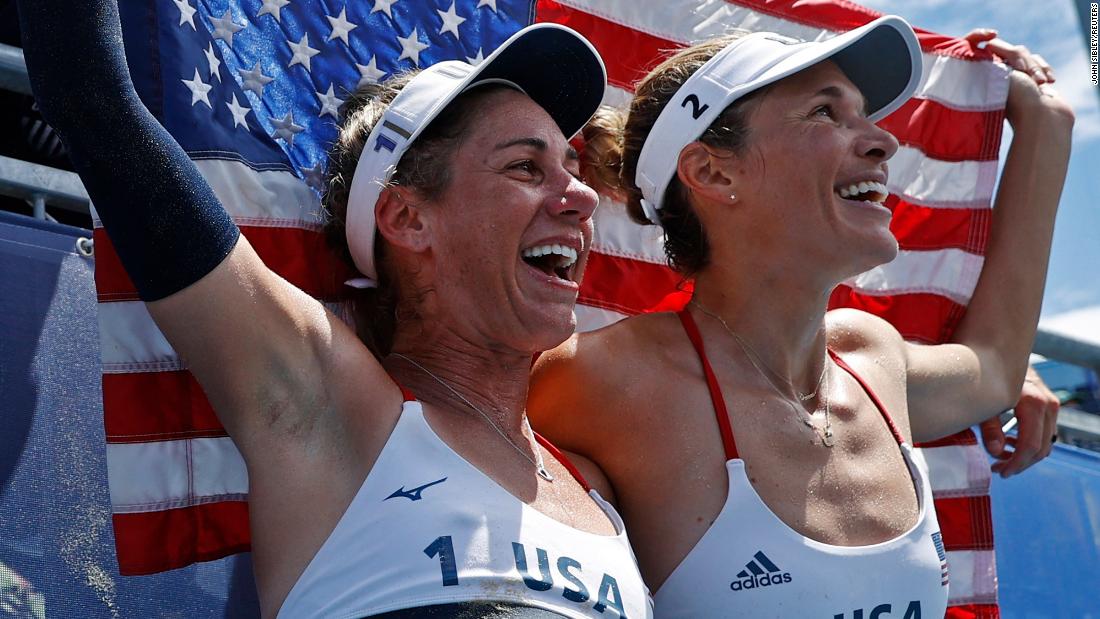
{"points": [[869, 344], [596, 359], [856, 331], [591, 382]]}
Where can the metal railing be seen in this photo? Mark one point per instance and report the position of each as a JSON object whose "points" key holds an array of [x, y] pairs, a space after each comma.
{"points": [[13, 70], [39, 185]]}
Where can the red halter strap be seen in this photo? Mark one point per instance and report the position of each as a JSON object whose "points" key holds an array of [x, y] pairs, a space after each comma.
{"points": [[554, 451], [871, 394], [720, 413]]}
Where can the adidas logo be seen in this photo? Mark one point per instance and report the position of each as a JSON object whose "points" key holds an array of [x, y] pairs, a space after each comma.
{"points": [[760, 572]]}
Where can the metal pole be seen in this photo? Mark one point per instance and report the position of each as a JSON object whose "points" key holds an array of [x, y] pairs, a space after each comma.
{"points": [[38, 203], [1067, 349], [13, 70]]}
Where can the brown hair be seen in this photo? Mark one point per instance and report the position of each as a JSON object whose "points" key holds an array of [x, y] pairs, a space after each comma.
{"points": [[614, 146], [425, 166]]}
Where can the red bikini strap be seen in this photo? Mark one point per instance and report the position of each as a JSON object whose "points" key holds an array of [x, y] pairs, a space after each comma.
{"points": [[406, 395], [871, 394], [554, 451], [720, 413]]}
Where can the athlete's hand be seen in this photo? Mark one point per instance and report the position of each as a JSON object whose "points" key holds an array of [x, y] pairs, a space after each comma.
{"points": [[1018, 57], [1037, 425]]}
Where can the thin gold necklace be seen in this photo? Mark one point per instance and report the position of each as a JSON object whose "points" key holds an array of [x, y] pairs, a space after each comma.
{"points": [[537, 461], [825, 435]]}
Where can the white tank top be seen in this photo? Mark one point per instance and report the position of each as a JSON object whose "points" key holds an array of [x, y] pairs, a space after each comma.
{"points": [[749, 563], [428, 528]]}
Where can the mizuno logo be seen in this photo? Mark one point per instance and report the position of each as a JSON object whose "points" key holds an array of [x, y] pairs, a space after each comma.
{"points": [[760, 572], [413, 494]]}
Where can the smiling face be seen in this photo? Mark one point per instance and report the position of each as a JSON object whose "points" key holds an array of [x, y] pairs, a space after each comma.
{"points": [[813, 174], [507, 241]]}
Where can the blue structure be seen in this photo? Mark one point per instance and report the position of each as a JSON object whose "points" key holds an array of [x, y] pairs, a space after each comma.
{"points": [[1047, 526], [56, 544], [55, 520]]}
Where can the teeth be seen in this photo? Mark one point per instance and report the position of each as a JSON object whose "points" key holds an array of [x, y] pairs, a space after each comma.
{"points": [[863, 187], [568, 254]]}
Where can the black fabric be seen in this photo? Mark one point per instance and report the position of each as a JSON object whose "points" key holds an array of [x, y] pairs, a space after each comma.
{"points": [[165, 222]]}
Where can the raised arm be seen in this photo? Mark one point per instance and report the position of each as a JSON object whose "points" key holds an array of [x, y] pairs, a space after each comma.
{"points": [[259, 346], [956, 385]]}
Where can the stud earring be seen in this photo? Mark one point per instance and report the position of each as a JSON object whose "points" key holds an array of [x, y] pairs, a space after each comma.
{"points": [[733, 197]]}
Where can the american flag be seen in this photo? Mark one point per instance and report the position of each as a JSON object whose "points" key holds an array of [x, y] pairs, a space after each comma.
{"points": [[250, 88]]}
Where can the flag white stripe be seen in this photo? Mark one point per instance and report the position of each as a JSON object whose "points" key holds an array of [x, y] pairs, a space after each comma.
{"points": [[952, 273], [956, 83], [958, 470], [973, 575], [591, 318], [918, 178], [154, 476], [131, 342], [259, 197], [618, 235]]}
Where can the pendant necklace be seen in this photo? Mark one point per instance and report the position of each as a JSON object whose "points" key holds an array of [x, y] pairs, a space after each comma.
{"points": [[537, 461]]}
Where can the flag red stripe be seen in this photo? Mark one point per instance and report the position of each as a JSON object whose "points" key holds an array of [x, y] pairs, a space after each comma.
{"points": [[966, 437], [966, 522], [300, 256], [629, 54], [945, 133], [156, 406], [927, 228], [180, 536], [624, 285], [973, 611], [922, 317]]}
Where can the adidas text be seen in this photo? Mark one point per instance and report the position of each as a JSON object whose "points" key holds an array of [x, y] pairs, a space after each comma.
{"points": [[760, 581]]}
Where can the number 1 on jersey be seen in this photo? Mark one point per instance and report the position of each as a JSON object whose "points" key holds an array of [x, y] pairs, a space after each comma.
{"points": [[443, 547]]}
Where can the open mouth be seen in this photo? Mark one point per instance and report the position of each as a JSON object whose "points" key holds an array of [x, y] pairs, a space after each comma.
{"points": [[864, 191], [557, 261]]}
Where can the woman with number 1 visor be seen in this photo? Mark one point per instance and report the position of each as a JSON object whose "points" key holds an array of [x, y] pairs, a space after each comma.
{"points": [[455, 193]]}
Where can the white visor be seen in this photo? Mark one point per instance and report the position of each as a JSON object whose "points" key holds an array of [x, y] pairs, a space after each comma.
{"points": [[554, 65], [882, 58]]}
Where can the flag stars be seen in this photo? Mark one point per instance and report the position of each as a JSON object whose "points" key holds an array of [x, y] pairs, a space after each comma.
{"points": [[255, 80], [411, 47], [451, 20], [187, 13], [225, 28], [492, 4], [212, 60], [302, 52], [285, 128], [369, 73], [384, 6], [341, 26], [272, 7], [330, 103], [477, 59], [239, 113], [199, 90]]}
